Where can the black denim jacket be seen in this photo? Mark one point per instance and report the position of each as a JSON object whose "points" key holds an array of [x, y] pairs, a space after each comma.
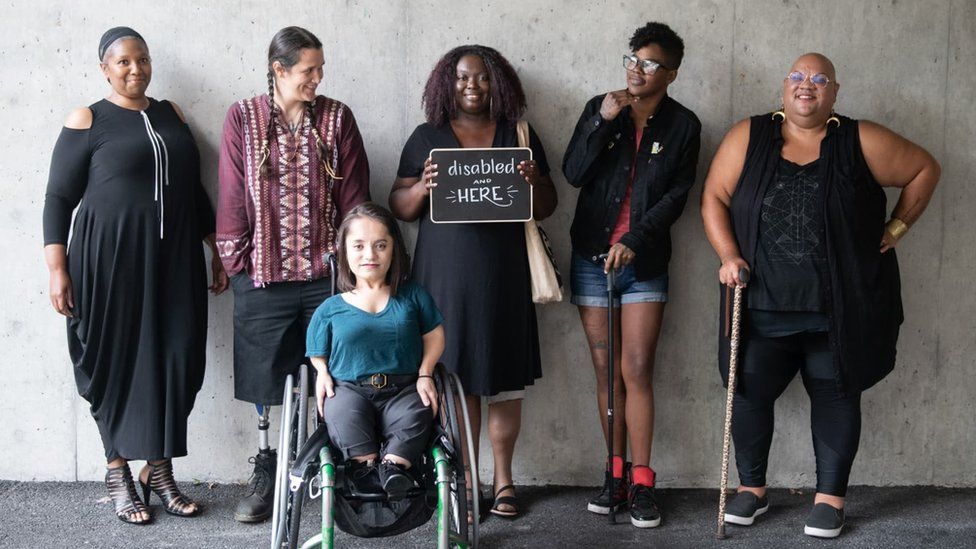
{"points": [[598, 161]]}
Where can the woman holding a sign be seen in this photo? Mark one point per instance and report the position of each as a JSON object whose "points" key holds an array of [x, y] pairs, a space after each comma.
{"points": [[633, 156], [478, 272]]}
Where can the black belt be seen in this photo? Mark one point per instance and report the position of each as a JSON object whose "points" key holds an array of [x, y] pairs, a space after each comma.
{"points": [[379, 381]]}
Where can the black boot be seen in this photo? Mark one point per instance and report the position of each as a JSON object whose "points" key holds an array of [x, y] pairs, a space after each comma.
{"points": [[256, 506]]}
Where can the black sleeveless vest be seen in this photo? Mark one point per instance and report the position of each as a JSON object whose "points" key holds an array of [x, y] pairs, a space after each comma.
{"points": [[863, 287]]}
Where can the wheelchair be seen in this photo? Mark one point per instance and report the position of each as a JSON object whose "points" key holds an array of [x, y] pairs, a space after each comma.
{"points": [[309, 468]]}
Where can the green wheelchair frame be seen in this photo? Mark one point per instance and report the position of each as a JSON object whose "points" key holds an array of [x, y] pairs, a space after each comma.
{"points": [[451, 471]]}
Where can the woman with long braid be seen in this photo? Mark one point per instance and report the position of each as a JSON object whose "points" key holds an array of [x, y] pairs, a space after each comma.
{"points": [[292, 163]]}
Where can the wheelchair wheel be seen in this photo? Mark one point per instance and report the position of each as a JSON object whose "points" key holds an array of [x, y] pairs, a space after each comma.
{"points": [[456, 424], [287, 509]]}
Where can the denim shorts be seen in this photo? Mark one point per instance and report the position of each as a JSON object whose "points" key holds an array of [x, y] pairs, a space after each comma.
{"points": [[589, 285]]}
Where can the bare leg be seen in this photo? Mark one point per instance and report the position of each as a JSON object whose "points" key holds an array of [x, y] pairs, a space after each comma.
{"points": [[594, 321], [834, 501], [368, 458], [504, 424], [640, 328]]}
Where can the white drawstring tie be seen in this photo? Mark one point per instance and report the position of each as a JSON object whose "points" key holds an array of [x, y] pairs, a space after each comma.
{"points": [[161, 172]]}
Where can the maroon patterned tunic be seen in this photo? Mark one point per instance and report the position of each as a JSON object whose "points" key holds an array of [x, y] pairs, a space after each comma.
{"points": [[277, 220]]}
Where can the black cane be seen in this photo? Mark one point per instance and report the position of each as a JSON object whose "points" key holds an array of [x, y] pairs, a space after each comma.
{"points": [[610, 342], [730, 394]]}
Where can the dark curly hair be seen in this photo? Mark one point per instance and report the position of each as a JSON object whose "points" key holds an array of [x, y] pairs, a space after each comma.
{"points": [[663, 36], [400, 265], [507, 97]]}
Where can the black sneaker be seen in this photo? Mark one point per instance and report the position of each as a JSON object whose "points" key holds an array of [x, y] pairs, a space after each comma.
{"points": [[601, 504], [256, 505], [644, 511], [396, 483], [363, 477], [824, 521], [745, 507]]}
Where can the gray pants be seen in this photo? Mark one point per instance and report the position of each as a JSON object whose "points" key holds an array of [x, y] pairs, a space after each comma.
{"points": [[359, 418]]}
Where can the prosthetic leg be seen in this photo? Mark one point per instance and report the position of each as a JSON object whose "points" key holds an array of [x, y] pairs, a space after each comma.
{"points": [[257, 504]]}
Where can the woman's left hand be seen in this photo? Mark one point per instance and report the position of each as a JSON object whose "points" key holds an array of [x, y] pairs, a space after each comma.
{"points": [[220, 280], [530, 171], [428, 392], [888, 241]]}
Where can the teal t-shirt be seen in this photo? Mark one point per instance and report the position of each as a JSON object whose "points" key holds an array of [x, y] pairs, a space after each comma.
{"points": [[357, 343]]}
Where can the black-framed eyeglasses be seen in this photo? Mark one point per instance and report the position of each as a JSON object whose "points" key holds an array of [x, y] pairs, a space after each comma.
{"points": [[644, 66], [819, 80]]}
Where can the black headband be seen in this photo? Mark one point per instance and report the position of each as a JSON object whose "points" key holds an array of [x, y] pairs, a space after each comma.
{"points": [[113, 34]]}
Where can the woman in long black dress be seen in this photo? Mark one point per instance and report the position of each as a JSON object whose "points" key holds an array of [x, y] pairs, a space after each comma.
{"points": [[133, 285], [478, 273]]}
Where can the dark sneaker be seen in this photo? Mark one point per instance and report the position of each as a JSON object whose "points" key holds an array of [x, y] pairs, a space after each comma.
{"points": [[824, 521], [396, 483], [364, 478], [256, 505], [745, 507], [601, 504], [644, 511]]}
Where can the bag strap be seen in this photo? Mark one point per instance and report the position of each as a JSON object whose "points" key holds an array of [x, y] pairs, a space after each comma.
{"points": [[522, 130]]}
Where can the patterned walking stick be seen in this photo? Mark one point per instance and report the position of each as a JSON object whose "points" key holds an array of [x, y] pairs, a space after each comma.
{"points": [[733, 367]]}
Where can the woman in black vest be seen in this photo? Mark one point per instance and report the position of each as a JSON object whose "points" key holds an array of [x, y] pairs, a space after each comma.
{"points": [[796, 198]]}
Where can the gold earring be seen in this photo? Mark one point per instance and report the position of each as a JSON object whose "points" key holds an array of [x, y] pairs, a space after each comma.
{"points": [[833, 118], [781, 113]]}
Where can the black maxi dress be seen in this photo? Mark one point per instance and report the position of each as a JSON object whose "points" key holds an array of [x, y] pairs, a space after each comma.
{"points": [[478, 274], [138, 336]]}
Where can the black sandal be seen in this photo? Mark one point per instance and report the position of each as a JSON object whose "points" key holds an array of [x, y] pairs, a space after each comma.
{"points": [[122, 492], [511, 501], [161, 483]]}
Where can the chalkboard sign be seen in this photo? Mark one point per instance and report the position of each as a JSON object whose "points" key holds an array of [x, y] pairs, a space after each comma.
{"points": [[480, 186]]}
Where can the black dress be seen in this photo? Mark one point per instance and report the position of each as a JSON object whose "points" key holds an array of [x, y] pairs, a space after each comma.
{"points": [[478, 274], [138, 336]]}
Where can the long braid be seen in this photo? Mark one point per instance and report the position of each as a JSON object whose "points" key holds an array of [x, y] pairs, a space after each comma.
{"points": [[319, 144], [265, 143]]}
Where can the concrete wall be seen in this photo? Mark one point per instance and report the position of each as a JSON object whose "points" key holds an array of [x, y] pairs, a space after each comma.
{"points": [[908, 65]]}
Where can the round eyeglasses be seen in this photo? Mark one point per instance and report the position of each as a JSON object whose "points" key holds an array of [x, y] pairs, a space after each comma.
{"points": [[819, 80]]}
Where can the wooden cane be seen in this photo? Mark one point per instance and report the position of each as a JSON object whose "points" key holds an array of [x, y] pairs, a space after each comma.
{"points": [[730, 393]]}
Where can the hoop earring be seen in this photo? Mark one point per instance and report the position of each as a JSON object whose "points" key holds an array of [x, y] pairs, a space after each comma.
{"points": [[833, 118], [781, 113], [491, 107]]}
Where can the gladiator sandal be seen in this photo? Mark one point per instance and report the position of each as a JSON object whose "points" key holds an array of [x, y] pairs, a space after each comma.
{"points": [[161, 483], [122, 492]]}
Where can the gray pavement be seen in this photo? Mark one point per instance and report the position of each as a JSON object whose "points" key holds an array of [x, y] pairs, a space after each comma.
{"points": [[55, 515]]}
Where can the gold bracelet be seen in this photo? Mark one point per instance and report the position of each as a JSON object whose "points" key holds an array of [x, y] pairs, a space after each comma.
{"points": [[896, 227]]}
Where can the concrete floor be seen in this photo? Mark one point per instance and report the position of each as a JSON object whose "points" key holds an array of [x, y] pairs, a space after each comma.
{"points": [[45, 514]]}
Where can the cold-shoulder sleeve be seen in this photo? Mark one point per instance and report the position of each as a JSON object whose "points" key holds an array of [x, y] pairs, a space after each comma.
{"points": [[66, 184]]}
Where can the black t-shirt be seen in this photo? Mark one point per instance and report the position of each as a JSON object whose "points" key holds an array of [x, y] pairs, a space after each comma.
{"points": [[786, 294]]}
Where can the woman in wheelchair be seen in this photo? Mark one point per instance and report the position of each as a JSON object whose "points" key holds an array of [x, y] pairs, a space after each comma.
{"points": [[374, 348]]}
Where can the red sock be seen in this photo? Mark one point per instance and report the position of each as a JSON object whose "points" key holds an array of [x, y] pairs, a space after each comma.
{"points": [[618, 467], [643, 475]]}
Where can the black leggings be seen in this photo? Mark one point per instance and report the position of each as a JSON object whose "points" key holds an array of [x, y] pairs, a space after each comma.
{"points": [[766, 367]]}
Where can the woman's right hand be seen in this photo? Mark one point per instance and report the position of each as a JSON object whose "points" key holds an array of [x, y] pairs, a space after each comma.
{"points": [[62, 293], [728, 273], [426, 182], [324, 388], [613, 103]]}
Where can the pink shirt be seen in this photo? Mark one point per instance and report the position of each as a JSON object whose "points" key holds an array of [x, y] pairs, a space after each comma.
{"points": [[623, 218]]}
